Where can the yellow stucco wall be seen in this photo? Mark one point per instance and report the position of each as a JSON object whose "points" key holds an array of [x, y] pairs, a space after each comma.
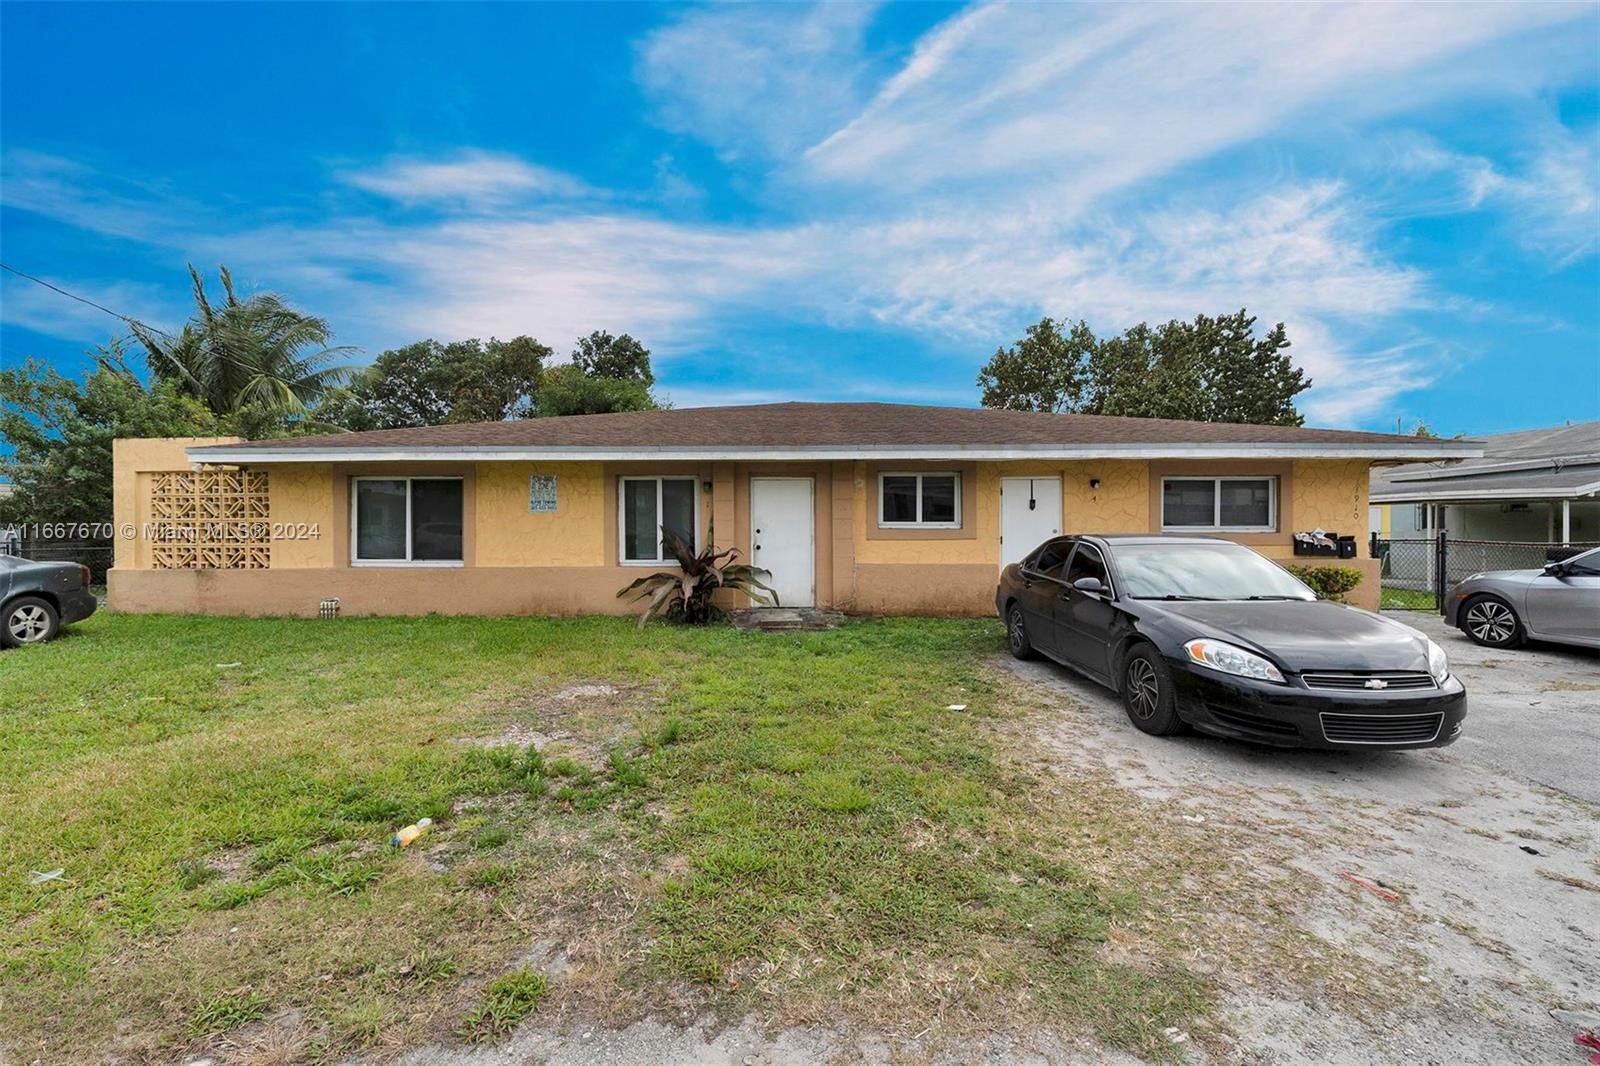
{"points": [[301, 498], [134, 461], [867, 570], [1331, 494], [508, 535]]}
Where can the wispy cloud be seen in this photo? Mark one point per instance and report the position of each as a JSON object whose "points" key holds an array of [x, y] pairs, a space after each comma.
{"points": [[473, 178], [1095, 97], [1003, 171], [1551, 202], [758, 80]]}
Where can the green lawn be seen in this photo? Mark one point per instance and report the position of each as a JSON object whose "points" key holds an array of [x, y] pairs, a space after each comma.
{"points": [[793, 823], [1395, 599]]}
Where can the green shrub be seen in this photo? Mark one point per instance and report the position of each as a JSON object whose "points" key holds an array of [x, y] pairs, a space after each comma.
{"points": [[1328, 582]]}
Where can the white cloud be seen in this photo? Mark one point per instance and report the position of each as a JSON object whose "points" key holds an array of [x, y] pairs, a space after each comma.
{"points": [[987, 181], [1092, 98], [474, 178], [1551, 202], [761, 80]]}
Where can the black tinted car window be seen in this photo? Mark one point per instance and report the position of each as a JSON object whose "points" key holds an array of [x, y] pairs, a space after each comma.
{"points": [[1049, 559], [1086, 562]]}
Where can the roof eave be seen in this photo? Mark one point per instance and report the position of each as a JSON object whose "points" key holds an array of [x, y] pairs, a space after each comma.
{"points": [[234, 455], [1486, 495]]}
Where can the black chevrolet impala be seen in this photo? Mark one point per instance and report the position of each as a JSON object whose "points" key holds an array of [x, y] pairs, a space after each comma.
{"points": [[1193, 631]]}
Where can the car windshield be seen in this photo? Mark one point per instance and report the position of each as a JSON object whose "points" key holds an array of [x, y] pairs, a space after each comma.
{"points": [[1218, 571]]}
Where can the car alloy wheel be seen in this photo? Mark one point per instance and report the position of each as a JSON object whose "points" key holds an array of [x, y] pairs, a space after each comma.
{"points": [[1491, 622], [1015, 633], [28, 624], [1144, 689]]}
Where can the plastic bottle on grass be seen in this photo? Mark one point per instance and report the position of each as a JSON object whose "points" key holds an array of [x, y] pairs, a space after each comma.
{"points": [[404, 838]]}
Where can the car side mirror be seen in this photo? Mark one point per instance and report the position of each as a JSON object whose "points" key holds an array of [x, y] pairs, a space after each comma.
{"points": [[1090, 586], [1555, 569]]}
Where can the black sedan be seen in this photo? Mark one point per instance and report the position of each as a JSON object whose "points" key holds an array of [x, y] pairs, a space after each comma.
{"points": [[38, 598], [1193, 631]]}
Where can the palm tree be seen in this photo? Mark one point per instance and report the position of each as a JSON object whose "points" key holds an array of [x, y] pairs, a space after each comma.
{"points": [[256, 354]]}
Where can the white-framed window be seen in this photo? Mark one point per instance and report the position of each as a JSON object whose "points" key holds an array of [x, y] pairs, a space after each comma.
{"points": [[919, 501], [647, 508], [1231, 504], [405, 521]]}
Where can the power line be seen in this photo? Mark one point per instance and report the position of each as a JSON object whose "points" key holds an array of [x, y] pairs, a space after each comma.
{"points": [[85, 300]]}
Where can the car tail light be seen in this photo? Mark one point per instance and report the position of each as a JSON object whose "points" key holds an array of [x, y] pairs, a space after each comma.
{"points": [[86, 574]]}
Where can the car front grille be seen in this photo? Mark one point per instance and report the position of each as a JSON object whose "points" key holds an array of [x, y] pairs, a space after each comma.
{"points": [[1399, 679], [1381, 728]]}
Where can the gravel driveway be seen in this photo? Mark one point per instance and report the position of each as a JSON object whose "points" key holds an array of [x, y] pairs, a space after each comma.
{"points": [[1492, 849], [1534, 710]]}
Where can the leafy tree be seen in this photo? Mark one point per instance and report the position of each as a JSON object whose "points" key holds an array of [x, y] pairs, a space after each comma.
{"points": [[61, 431], [430, 383], [1211, 369], [600, 355], [607, 374], [256, 356], [567, 390], [1046, 370]]}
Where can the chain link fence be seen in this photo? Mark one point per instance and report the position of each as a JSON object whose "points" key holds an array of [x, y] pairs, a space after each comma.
{"points": [[96, 555], [1418, 572]]}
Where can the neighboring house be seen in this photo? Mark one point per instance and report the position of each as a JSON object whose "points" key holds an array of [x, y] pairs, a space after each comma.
{"points": [[876, 508], [1536, 486]]}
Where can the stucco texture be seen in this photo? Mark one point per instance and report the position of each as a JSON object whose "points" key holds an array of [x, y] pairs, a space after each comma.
{"points": [[566, 562]]}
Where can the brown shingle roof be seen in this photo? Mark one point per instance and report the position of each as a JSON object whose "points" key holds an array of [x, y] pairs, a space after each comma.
{"points": [[834, 425]]}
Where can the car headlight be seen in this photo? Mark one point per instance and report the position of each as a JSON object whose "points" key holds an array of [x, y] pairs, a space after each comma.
{"points": [[1438, 662], [1229, 659]]}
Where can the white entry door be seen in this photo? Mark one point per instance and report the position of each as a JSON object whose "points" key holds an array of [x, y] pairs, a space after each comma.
{"points": [[783, 532], [1030, 514]]}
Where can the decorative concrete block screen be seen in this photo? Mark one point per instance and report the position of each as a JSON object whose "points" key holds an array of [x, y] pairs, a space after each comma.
{"points": [[210, 520]]}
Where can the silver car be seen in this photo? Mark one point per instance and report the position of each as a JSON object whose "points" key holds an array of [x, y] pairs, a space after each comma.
{"points": [[1502, 608]]}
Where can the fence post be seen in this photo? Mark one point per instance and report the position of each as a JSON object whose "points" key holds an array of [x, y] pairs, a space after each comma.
{"points": [[1441, 560], [1372, 545]]}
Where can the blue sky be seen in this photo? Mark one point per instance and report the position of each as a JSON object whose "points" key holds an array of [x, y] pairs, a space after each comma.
{"points": [[839, 201]]}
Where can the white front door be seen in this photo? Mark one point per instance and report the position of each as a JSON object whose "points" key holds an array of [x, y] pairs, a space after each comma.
{"points": [[1030, 514], [783, 533]]}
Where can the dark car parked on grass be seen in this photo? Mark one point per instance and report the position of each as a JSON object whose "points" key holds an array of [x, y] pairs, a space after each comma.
{"points": [[38, 598], [1207, 633]]}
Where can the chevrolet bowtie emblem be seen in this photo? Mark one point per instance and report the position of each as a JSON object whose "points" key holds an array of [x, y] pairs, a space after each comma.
{"points": [[1377, 682]]}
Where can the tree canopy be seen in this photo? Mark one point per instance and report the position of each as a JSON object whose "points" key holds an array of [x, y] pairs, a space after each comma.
{"points": [[61, 430], [1211, 370], [256, 359], [430, 383]]}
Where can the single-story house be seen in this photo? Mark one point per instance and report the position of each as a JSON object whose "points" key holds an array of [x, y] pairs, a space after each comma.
{"points": [[873, 508], [1536, 486]]}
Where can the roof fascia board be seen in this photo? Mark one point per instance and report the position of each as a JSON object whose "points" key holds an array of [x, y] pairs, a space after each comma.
{"points": [[1491, 467], [1468, 495], [231, 455]]}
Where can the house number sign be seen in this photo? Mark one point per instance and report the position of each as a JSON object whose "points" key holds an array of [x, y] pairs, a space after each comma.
{"points": [[542, 493]]}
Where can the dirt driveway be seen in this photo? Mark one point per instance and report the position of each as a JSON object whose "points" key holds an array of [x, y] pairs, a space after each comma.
{"points": [[1489, 882]]}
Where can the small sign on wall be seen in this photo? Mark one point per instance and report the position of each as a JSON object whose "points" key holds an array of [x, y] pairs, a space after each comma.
{"points": [[542, 493]]}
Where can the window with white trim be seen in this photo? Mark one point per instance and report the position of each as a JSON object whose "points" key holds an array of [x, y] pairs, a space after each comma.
{"points": [[919, 501], [651, 506], [405, 521], [1222, 504]]}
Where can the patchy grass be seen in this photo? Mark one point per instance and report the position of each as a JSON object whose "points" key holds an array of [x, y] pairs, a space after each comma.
{"points": [[227, 1011], [793, 823], [506, 1001]]}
